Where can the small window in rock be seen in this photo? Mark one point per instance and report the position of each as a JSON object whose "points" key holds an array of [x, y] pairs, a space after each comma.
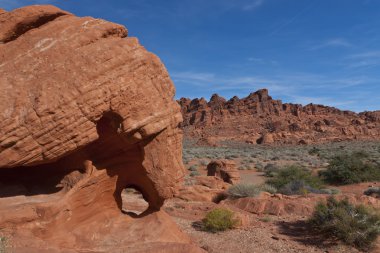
{"points": [[133, 201]]}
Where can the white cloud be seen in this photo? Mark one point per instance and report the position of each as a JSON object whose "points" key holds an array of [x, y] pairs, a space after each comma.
{"points": [[253, 5], [335, 42], [262, 61], [302, 88], [366, 55], [363, 60]]}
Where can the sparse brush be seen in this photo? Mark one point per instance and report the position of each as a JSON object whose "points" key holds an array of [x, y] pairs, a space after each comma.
{"points": [[268, 188], [271, 170], [259, 167], [195, 173], [203, 162], [350, 169], [299, 187], [373, 191], [193, 168], [294, 173], [243, 190], [219, 219], [358, 226], [3, 244], [265, 219], [249, 190]]}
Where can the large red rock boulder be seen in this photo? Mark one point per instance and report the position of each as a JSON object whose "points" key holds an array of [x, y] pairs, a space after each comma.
{"points": [[225, 170], [85, 111]]}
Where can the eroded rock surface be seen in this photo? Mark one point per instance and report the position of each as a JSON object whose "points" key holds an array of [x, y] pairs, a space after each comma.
{"points": [[85, 112], [225, 170], [259, 119]]}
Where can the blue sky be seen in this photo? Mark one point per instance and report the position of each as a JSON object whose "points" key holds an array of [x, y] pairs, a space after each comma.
{"points": [[303, 51]]}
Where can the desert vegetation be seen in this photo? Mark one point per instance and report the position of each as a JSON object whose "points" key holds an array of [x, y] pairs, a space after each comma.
{"points": [[351, 168], [249, 157], [3, 242], [248, 190], [219, 219], [358, 226]]}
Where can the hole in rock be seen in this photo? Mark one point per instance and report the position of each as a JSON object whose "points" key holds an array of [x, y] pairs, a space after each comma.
{"points": [[133, 201], [109, 125]]}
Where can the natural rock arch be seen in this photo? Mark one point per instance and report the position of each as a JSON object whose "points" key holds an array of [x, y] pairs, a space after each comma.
{"points": [[84, 113]]}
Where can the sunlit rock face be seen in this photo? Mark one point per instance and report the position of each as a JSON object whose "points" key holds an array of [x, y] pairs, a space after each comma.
{"points": [[85, 112], [260, 119]]}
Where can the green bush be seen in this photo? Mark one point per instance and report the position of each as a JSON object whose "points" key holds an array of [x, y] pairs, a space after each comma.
{"points": [[268, 188], [358, 226], [259, 167], [195, 173], [294, 173], [193, 168], [243, 190], [271, 170], [219, 219], [373, 191], [3, 242], [203, 162], [350, 169], [249, 190], [314, 151]]}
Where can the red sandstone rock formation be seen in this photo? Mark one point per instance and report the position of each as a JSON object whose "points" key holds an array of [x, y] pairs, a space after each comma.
{"points": [[225, 170], [85, 111], [259, 119]]}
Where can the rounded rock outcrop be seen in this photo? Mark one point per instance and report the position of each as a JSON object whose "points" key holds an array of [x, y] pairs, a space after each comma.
{"points": [[85, 112]]}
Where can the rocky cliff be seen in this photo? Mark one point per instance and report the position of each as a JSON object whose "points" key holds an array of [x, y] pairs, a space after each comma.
{"points": [[259, 119], [85, 112]]}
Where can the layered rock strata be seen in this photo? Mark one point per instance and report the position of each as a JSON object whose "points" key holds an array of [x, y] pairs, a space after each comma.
{"points": [[259, 119], [85, 112]]}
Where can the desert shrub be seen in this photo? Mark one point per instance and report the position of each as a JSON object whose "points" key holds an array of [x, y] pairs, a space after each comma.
{"points": [[203, 162], [268, 188], [194, 173], [248, 167], [259, 167], [271, 170], [3, 242], [314, 151], [297, 187], [265, 219], [350, 169], [249, 190], [373, 191], [219, 219], [189, 180], [358, 226], [243, 190], [331, 191], [193, 168], [294, 173]]}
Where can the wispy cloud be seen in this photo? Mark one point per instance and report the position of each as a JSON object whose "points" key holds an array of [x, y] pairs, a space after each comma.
{"points": [[366, 55], [302, 88], [320, 100], [262, 61], [252, 5], [335, 42], [363, 60]]}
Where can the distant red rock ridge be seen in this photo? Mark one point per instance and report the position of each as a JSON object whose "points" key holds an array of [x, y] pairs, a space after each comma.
{"points": [[260, 119]]}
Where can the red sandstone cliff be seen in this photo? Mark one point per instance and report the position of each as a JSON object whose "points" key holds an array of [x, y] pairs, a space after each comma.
{"points": [[258, 118]]}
